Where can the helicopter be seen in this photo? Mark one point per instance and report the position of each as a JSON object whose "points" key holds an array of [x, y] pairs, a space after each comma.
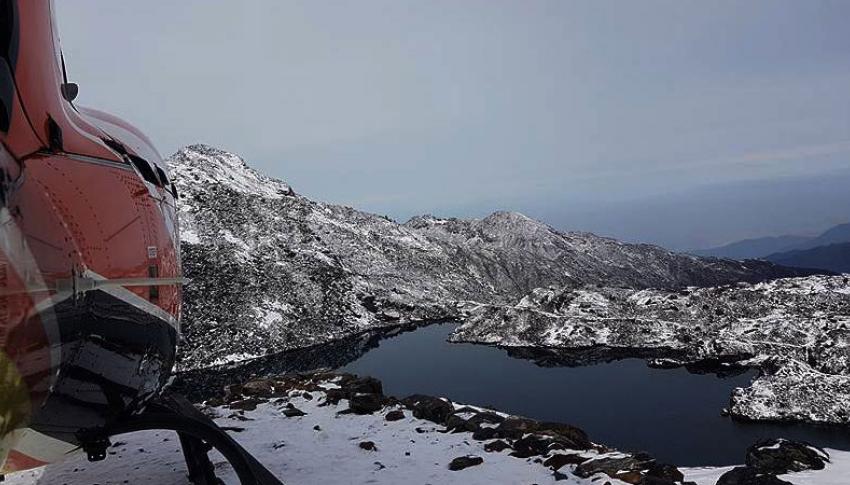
{"points": [[90, 272]]}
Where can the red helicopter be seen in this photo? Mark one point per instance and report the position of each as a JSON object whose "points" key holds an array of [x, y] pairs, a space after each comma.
{"points": [[90, 274]]}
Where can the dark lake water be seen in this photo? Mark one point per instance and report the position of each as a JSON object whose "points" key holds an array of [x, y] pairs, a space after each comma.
{"points": [[670, 413]]}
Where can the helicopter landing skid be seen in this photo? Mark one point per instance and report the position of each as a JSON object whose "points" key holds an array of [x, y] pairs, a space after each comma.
{"points": [[198, 435]]}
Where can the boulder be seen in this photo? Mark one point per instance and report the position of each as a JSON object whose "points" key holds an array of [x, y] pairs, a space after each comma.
{"points": [[429, 408], [486, 417], [394, 415], [334, 396], [614, 466], [484, 434], [559, 460], [496, 446], [457, 423], [662, 472], [572, 437], [778, 456], [364, 385], [292, 412], [745, 475], [368, 446], [365, 403], [232, 392], [462, 462], [515, 428], [531, 445], [261, 387]]}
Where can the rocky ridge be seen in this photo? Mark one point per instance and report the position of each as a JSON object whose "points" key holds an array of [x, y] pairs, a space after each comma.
{"points": [[795, 330], [272, 270]]}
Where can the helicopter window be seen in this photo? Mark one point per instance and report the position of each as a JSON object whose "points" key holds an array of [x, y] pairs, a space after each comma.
{"points": [[9, 32], [162, 176], [145, 169], [165, 182], [7, 91]]}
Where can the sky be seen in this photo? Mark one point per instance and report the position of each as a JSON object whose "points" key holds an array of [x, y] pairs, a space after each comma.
{"points": [[683, 123]]}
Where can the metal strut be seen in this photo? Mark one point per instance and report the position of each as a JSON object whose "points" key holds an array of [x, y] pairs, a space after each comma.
{"points": [[198, 435]]}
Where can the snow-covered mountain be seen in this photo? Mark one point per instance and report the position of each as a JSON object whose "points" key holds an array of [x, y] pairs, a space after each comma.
{"points": [[273, 270], [796, 330]]}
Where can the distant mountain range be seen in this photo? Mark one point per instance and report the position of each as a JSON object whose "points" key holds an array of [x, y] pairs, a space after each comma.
{"points": [[754, 248], [834, 257], [829, 250]]}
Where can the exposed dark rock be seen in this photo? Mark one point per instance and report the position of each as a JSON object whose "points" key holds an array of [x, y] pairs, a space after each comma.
{"points": [[293, 412], [664, 472], [568, 435], [368, 446], [394, 415], [455, 422], [559, 460], [334, 396], [749, 476], [614, 467], [486, 417], [496, 446], [261, 387], [365, 403], [364, 385], [531, 445], [779, 456], [484, 434], [515, 427], [462, 462], [428, 407]]}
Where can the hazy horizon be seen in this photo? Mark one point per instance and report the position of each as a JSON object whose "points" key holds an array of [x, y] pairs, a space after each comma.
{"points": [[685, 124]]}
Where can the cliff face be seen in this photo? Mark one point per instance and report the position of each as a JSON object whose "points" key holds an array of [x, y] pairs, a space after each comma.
{"points": [[273, 270]]}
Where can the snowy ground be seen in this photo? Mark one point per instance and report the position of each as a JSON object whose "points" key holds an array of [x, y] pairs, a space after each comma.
{"points": [[836, 473], [408, 451], [329, 445]]}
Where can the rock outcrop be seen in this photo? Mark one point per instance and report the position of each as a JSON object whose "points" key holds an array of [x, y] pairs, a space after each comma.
{"points": [[562, 448], [794, 330]]}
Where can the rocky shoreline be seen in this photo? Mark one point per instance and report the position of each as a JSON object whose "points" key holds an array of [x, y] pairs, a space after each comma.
{"points": [[210, 382], [795, 332], [566, 451]]}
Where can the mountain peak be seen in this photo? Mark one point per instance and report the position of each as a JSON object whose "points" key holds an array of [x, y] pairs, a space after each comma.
{"points": [[204, 165], [514, 223], [510, 217]]}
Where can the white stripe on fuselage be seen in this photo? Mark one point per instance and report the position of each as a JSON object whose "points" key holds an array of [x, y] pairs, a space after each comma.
{"points": [[133, 299], [14, 246]]}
